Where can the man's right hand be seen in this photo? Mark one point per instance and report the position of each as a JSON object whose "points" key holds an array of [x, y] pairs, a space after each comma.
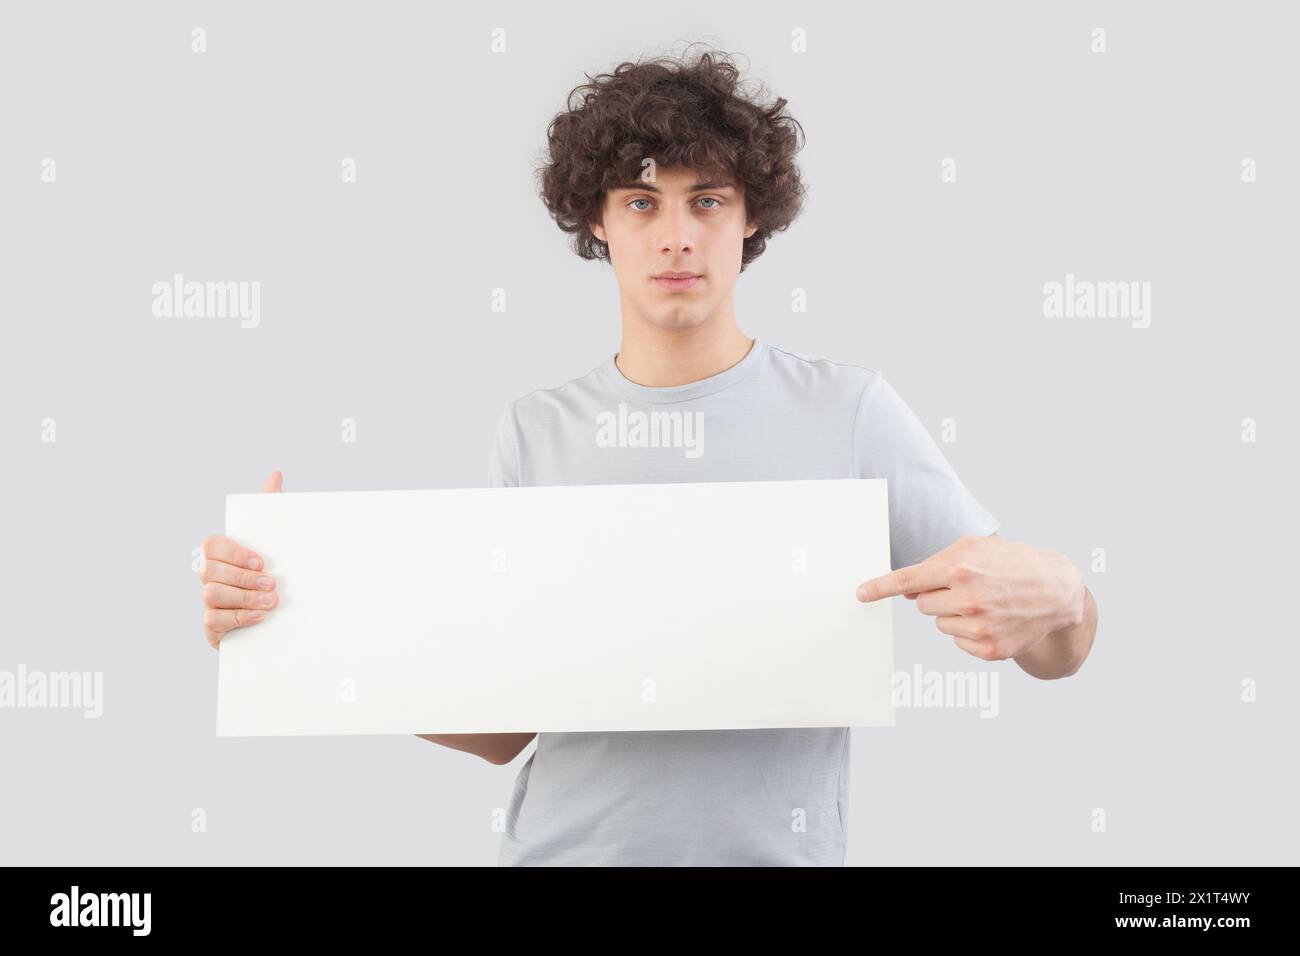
{"points": [[236, 590]]}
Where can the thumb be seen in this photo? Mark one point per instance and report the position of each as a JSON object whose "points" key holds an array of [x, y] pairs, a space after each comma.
{"points": [[273, 483]]}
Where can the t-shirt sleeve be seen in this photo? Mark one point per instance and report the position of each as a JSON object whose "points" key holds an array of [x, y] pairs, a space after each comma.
{"points": [[929, 507], [503, 459]]}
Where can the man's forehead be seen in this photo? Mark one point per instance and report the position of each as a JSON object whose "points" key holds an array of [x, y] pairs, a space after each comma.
{"points": [[689, 182]]}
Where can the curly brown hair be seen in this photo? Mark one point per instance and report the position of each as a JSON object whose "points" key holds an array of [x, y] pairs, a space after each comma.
{"points": [[676, 110]]}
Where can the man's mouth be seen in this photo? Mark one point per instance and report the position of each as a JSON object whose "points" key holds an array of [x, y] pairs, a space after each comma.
{"points": [[676, 281]]}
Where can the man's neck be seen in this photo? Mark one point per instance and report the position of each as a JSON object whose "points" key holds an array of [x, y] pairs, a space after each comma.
{"points": [[658, 357]]}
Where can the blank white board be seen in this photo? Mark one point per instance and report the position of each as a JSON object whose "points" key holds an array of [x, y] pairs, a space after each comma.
{"points": [[685, 606]]}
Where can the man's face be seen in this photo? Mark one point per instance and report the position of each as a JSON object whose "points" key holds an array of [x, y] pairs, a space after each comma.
{"points": [[682, 222]]}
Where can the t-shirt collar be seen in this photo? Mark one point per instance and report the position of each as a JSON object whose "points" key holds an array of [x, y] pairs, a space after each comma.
{"points": [[680, 393]]}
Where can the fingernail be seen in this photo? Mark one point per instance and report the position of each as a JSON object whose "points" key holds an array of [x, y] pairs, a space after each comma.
{"points": [[263, 582], [267, 600], [862, 594], [254, 563], [254, 615]]}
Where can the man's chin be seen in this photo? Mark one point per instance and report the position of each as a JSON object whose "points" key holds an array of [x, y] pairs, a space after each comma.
{"points": [[678, 318]]}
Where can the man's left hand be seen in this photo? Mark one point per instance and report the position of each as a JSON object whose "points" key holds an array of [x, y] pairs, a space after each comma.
{"points": [[995, 598]]}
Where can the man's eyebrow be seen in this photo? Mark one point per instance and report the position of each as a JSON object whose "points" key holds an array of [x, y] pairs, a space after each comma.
{"points": [[651, 188]]}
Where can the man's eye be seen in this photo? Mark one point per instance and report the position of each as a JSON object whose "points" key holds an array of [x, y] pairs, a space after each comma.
{"points": [[711, 199]]}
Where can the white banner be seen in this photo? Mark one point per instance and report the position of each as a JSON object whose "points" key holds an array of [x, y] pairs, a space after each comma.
{"points": [[684, 606]]}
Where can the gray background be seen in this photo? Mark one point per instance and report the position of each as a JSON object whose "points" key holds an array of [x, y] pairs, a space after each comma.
{"points": [[1077, 434]]}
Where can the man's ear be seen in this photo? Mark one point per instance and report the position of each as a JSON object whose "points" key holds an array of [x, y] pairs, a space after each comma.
{"points": [[597, 224], [751, 229]]}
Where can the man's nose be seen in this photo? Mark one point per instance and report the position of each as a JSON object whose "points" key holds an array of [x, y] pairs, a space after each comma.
{"points": [[678, 231]]}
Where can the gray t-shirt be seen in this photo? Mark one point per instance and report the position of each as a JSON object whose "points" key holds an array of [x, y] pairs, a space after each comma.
{"points": [[715, 797]]}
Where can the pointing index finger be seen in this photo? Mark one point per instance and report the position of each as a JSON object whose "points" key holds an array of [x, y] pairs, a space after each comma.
{"points": [[926, 576]]}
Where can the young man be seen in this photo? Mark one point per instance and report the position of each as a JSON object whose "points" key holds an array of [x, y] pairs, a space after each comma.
{"points": [[667, 172]]}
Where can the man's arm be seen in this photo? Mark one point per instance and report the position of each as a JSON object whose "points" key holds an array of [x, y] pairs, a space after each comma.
{"points": [[494, 748], [503, 472], [1063, 651]]}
